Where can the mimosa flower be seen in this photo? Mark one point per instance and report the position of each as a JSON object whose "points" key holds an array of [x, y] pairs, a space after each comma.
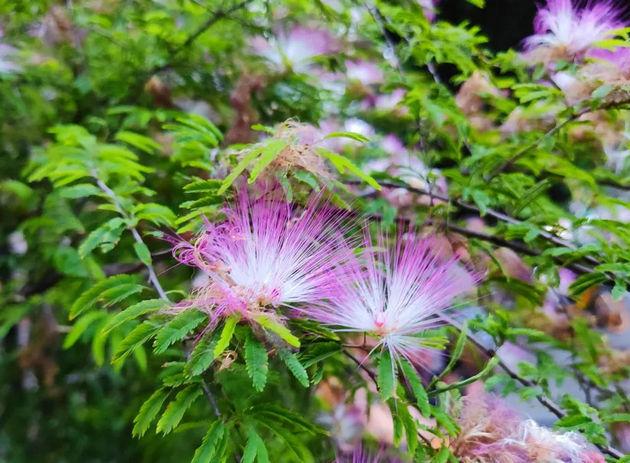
{"points": [[295, 49], [395, 294], [494, 433], [568, 29], [267, 254]]}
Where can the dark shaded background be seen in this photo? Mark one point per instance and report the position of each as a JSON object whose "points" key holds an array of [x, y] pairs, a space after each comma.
{"points": [[504, 22]]}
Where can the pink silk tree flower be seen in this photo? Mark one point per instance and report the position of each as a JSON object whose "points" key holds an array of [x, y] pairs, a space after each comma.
{"points": [[295, 48], [493, 432], [429, 8], [394, 294], [267, 254], [567, 29]]}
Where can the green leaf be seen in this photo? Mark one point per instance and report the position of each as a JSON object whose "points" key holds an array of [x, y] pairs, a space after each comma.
{"points": [[256, 362], [226, 336], [493, 362], [289, 418], [602, 91], [268, 153], [176, 409], [136, 140], [133, 312], [143, 253], [177, 329], [148, 412], [456, 354], [386, 375], [281, 330], [422, 399], [89, 298], [255, 448], [106, 236], [138, 336], [442, 455], [202, 355], [294, 365], [584, 282], [619, 290], [119, 293], [445, 420], [155, 213], [238, 169], [206, 452], [351, 135], [82, 190], [80, 326], [342, 164], [308, 178]]}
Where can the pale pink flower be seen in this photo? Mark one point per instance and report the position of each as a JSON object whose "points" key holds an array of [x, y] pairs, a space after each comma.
{"points": [[492, 432], [365, 72], [571, 28], [295, 49], [6, 54], [429, 8], [394, 294], [267, 254]]}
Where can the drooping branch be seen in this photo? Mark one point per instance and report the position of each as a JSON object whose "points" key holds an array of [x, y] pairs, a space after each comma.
{"points": [[500, 216], [212, 19]]}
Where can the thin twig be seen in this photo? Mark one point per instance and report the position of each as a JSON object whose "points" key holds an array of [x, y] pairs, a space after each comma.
{"points": [[195, 35], [464, 206], [360, 364], [136, 236], [152, 275], [508, 162]]}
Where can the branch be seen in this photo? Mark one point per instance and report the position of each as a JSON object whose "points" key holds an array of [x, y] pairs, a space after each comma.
{"points": [[195, 35], [508, 162], [553, 130], [152, 275], [136, 236], [464, 206]]}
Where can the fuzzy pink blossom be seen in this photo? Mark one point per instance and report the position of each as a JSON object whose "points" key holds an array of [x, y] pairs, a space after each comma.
{"points": [[492, 432], [573, 27], [429, 8], [620, 57], [297, 48], [266, 254], [6, 53], [395, 293], [365, 72]]}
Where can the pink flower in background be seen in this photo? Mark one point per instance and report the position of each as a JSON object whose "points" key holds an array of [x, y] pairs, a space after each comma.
{"points": [[620, 57], [429, 8], [297, 48], [571, 29], [267, 253], [492, 432], [6, 51], [394, 293], [365, 72]]}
